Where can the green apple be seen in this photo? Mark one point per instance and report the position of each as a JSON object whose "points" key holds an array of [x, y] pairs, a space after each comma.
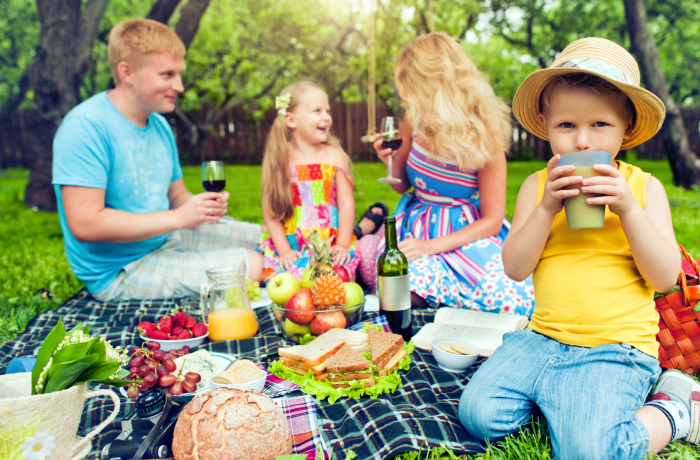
{"points": [[354, 295], [282, 286], [306, 281], [292, 328]]}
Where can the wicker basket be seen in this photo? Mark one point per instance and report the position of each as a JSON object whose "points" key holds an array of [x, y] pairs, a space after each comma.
{"points": [[679, 325]]}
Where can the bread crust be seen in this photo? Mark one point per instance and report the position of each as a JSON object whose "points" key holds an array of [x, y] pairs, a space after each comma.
{"points": [[347, 360], [325, 350], [231, 424], [390, 344]]}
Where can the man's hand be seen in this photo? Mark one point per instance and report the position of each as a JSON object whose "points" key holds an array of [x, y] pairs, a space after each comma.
{"points": [[414, 248], [288, 258], [614, 188], [554, 193], [205, 207], [342, 254]]}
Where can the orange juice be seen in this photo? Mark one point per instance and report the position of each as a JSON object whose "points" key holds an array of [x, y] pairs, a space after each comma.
{"points": [[232, 324]]}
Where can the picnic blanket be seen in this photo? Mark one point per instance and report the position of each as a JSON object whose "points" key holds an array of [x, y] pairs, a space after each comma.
{"points": [[422, 410]]}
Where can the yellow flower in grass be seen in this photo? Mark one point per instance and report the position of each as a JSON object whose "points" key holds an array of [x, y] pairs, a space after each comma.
{"points": [[38, 447]]}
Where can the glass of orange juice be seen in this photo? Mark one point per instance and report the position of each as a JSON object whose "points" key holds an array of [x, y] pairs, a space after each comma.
{"points": [[226, 305]]}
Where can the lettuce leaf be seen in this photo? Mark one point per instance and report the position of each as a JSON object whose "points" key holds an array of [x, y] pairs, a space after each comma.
{"points": [[368, 326], [306, 339]]}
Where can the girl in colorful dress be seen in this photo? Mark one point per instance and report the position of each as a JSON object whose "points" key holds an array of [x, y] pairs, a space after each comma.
{"points": [[306, 185], [451, 226]]}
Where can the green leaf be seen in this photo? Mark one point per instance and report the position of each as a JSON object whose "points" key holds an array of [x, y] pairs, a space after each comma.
{"points": [[57, 367], [291, 457], [97, 346], [65, 377], [98, 371], [55, 337], [367, 326], [349, 455], [86, 331], [306, 339], [78, 327], [70, 353]]}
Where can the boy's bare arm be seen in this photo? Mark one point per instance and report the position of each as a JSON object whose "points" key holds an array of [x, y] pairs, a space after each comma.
{"points": [[532, 222], [649, 231], [90, 221]]}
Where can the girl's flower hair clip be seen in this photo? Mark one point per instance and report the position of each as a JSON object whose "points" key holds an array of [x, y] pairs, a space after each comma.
{"points": [[282, 102]]}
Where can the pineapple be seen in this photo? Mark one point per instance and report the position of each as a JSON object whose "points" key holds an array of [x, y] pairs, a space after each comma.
{"points": [[328, 291]]}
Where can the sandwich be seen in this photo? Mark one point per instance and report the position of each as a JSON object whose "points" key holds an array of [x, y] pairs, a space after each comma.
{"points": [[312, 357], [387, 351], [346, 365]]}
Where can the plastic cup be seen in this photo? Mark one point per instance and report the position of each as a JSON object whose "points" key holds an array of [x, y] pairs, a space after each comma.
{"points": [[580, 214]]}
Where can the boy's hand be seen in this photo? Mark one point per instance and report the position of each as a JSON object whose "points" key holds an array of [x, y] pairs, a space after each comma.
{"points": [[554, 193], [204, 207], [614, 188], [383, 153], [342, 255], [288, 258]]}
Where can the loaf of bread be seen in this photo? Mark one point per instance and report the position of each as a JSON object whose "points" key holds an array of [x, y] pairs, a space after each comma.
{"points": [[242, 371], [231, 424]]}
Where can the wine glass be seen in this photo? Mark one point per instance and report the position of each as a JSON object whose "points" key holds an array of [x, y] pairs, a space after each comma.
{"points": [[213, 178], [389, 132]]}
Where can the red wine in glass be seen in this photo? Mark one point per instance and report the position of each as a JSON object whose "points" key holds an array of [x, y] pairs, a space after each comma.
{"points": [[392, 144], [214, 185]]}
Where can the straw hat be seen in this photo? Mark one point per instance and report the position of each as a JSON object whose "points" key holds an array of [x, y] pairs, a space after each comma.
{"points": [[605, 59]]}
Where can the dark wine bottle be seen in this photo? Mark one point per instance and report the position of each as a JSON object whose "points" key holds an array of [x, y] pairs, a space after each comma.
{"points": [[392, 280]]}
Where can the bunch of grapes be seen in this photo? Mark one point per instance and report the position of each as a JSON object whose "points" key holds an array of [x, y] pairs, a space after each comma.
{"points": [[150, 368], [253, 288]]}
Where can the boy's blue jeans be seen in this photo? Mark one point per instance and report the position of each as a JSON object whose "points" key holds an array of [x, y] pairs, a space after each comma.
{"points": [[588, 395]]}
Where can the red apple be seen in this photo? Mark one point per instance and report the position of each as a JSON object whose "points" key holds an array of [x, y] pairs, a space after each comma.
{"points": [[324, 322], [342, 273], [300, 302]]}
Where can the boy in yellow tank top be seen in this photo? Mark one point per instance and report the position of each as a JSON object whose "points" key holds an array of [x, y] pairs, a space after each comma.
{"points": [[588, 360]]}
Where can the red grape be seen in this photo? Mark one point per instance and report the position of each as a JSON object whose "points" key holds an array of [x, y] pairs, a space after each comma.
{"points": [[186, 349], [150, 379], [133, 391], [193, 377], [175, 389], [167, 380], [153, 346], [162, 370], [158, 355], [143, 370], [189, 387], [134, 370], [169, 356], [133, 351], [137, 361], [169, 365], [152, 365]]}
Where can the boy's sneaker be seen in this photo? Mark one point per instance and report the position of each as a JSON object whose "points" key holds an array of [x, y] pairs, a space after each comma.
{"points": [[680, 388]]}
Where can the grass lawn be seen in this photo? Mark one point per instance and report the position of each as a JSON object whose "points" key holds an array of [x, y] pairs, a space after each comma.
{"points": [[32, 258]]}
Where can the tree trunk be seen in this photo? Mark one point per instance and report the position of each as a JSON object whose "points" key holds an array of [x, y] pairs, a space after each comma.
{"points": [[188, 24], [162, 10], [684, 164], [55, 75]]}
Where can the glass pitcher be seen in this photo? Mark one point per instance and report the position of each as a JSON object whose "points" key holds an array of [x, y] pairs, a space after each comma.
{"points": [[226, 305]]}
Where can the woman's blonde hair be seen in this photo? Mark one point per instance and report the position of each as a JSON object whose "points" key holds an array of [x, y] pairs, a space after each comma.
{"points": [[132, 40], [461, 118], [276, 186]]}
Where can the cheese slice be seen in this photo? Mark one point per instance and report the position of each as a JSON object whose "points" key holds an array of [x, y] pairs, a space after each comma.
{"points": [[200, 362], [394, 361]]}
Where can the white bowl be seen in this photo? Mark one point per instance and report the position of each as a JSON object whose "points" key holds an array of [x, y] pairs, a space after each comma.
{"points": [[451, 362], [167, 345], [256, 385]]}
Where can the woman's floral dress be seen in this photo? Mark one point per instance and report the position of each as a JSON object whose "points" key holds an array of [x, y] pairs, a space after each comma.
{"points": [[314, 199]]}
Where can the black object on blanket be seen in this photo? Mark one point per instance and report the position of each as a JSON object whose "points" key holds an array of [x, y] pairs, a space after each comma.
{"points": [[424, 408]]}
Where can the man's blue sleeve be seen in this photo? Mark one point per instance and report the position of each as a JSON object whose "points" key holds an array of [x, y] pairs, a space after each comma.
{"points": [[81, 155]]}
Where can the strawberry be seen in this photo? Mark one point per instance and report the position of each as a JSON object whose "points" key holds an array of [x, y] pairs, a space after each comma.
{"points": [[165, 328], [176, 330], [145, 327], [167, 320], [179, 319], [158, 335], [190, 322], [184, 335], [173, 337], [199, 329]]}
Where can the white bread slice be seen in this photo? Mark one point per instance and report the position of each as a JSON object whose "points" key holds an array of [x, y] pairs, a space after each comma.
{"points": [[352, 338], [313, 353], [392, 363]]}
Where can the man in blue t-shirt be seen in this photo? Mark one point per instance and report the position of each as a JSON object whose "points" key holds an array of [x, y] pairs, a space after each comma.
{"points": [[132, 230]]}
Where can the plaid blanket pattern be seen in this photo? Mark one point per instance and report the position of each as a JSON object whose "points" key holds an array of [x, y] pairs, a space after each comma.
{"points": [[424, 409], [276, 387], [303, 423]]}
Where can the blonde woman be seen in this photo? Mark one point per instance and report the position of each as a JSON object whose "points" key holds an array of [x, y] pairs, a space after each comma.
{"points": [[306, 185], [451, 226]]}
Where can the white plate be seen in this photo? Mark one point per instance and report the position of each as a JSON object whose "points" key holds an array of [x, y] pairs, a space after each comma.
{"points": [[168, 345], [222, 360]]}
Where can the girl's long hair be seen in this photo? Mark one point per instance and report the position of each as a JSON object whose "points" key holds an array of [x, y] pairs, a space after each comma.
{"points": [[276, 187], [461, 118]]}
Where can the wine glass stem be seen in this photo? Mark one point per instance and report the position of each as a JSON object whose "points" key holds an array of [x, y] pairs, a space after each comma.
{"points": [[388, 171]]}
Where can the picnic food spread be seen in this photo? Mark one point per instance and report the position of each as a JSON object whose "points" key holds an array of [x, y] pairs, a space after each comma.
{"points": [[231, 424], [346, 363]]}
